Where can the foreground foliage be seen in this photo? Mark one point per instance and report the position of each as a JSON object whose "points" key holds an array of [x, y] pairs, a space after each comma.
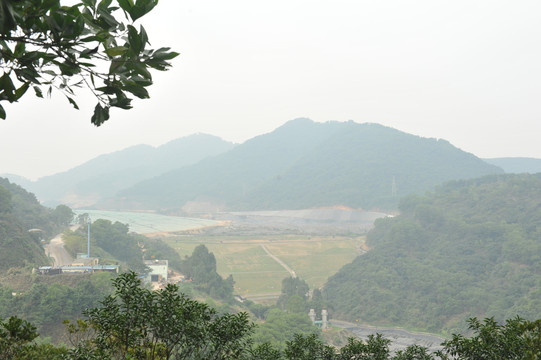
{"points": [[51, 299], [136, 323], [46, 45], [143, 324]]}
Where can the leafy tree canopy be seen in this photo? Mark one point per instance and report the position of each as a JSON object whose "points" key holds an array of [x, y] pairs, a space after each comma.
{"points": [[136, 323], [292, 286], [469, 249], [46, 45], [201, 268]]}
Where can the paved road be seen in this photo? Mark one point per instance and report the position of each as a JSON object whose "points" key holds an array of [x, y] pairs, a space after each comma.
{"points": [[289, 270], [400, 339], [55, 250]]}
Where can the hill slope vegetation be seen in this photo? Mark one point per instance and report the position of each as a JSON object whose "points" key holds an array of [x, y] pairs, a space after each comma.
{"points": [[19, 213], [306, 164], [471, 248]]}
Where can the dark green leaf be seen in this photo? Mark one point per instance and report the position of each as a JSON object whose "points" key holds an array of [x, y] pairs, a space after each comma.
{"points": [[27, 74], [136, 45], [104, 4], [69, 69], [19, 49], [89, 3], [49, 4], [142, 70], [141, 81], [38, 92], [126, 5], [141, 8], [6, 52], [121, 101], [7, 89], [165, 54], [116, 51], [101, 115], [91, 38], [86, 53], [144, 37], [108, 20], [109, 90], [20, 91], [72, 102], [2, 113], [137, 90], [7, 18]]}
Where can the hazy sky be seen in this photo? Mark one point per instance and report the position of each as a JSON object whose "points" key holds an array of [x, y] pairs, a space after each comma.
{"points": [[466, 71]]}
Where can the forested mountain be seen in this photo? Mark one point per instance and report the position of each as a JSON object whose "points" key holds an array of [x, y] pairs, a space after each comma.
{"points": [[517, 165], [307, 164], [103, 176], [19, 213], [471, 248]]}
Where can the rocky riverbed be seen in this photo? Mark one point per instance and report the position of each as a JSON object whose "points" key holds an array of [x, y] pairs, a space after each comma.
{"points": [[400, 339]]}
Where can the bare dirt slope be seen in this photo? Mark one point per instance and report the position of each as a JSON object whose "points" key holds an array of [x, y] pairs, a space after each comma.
{"points": [[55, 250]]}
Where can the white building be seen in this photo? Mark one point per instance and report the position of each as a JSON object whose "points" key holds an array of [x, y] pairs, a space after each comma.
{"points": [[158, 270]]}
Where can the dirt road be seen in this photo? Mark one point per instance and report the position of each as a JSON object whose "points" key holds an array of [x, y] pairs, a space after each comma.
{"points": [[55, 250], [283, 264]]}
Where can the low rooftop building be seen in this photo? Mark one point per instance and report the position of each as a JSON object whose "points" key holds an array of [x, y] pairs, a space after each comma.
{"points": [[158, 270]]}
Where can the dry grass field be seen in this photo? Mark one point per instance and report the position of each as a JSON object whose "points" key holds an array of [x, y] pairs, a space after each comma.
{"points": [[258, 275]]}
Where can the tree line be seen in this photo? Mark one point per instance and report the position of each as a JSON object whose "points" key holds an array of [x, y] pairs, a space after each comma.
{"points": [[137, 323]]}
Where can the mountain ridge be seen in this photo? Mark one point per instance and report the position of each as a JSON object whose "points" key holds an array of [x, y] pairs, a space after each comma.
{"points": [[106, 174], [305, 164]]}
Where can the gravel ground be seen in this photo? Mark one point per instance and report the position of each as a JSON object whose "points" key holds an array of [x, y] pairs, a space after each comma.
{"points": [[400, 339]]}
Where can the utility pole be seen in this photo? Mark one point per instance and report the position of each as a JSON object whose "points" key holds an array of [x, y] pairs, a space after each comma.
{"points": [[88, 244]]}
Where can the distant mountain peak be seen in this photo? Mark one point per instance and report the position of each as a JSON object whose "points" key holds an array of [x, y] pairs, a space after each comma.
{"points": [[304, 164]]}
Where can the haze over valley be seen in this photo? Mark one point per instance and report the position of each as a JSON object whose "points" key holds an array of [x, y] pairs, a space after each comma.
{"points": [[302, 164], [285, 180], [390, 228]]}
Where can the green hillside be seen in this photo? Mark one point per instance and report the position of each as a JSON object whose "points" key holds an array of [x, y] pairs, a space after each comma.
{"points": [[471, 248], [20, 212], [307, 164], [228, 177], [360, 165]]}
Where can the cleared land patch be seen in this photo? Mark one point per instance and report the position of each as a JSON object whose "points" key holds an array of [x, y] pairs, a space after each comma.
{"points": [[148, 223], [313, 258]]}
